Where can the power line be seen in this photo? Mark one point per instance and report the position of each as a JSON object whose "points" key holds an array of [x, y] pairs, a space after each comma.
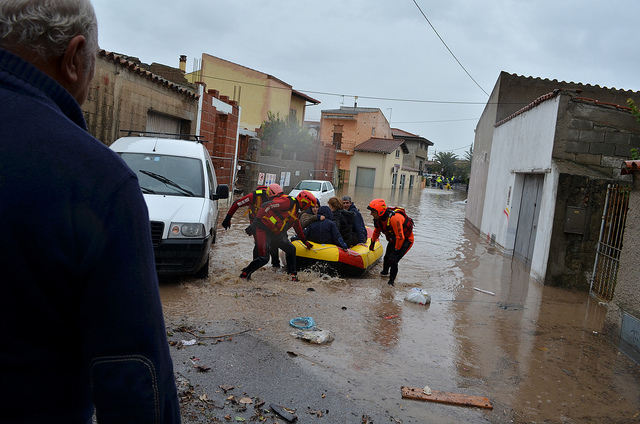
{"points": [[389, 99], [445, 44], [435, 122]]}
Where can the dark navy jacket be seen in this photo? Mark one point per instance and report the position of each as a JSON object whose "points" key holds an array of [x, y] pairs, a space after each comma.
{"points": [[358, 224], [80, 308], [324, 231]]}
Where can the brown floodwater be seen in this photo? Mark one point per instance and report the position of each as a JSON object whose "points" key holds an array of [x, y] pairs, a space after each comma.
{"points": [[536, 352]]}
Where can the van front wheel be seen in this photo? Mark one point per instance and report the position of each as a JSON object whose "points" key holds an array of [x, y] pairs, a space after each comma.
{"points": [[204, 271]]}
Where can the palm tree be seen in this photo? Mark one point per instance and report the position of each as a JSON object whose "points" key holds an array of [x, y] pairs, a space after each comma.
{"points": [[445, 163]]}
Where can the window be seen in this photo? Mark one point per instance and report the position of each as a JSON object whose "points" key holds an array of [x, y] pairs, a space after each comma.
{"points": [[397, 153], [337, 136], [373, 130]]}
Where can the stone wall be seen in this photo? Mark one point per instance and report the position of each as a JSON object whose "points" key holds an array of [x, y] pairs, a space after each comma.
{"points": [[123, 93]]}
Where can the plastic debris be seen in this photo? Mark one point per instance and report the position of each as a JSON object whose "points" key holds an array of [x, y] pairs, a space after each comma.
{"points": [[188, 342], [419, 296], [316, 336], [303, 323]]}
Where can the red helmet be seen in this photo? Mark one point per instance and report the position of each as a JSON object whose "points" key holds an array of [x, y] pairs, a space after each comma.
{"points": [[378, 205], [273, 190], [306, 199]]}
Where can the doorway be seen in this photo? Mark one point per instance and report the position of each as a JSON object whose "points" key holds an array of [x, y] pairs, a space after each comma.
{"points": [[528, 218]]}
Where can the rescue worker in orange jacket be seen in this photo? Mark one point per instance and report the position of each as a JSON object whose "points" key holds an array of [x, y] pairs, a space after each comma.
{"points": [[254, 202], [270, 229], [398, 230]]}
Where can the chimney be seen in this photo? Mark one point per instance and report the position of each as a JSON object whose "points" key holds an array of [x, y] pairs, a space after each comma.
{"points": [[183, 63], [355, 102]]}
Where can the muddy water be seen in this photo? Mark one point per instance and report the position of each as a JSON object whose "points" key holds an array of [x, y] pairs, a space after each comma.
{"points": [[536, 352]]}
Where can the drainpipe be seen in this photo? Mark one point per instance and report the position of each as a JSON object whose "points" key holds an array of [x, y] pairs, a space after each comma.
{"points": [[235, 156], [199, 112]]}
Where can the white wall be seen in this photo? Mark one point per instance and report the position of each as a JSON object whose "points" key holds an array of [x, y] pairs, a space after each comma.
{"points": [[520, 146]]}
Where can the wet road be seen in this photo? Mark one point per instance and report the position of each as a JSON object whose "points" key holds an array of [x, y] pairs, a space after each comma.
{"points": [[536, 352]]}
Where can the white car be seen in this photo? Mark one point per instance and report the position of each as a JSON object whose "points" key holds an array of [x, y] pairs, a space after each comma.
{"points": [[323, 190], [179, 185]]}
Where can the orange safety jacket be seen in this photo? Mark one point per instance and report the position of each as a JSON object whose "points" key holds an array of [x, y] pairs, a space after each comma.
{"points": [[397, 226]]}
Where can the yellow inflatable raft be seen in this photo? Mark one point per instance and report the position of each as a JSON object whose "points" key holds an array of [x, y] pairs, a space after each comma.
{"points": [[330, 259]]}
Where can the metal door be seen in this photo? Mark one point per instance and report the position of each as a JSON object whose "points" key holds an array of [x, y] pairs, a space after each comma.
{"points": [[528, 217], [614, 218], [365, 177]]}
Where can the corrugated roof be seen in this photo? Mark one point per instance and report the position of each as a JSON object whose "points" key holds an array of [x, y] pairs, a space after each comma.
{"points": [[381, 145], [136, 67]]}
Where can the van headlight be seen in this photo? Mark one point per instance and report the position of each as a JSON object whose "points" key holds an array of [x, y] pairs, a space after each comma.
{"points": [[182, 230]]}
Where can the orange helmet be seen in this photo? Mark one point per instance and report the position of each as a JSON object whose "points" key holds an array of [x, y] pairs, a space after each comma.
{"points": [[378, 205], [306, 199], [273, 190]]}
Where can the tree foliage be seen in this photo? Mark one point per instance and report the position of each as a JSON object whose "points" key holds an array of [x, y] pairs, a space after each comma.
{"points": [[445, 163], [285, 135]]}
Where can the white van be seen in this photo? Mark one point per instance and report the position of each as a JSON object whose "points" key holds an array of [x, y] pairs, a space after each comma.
{"points": [[179, 185]]}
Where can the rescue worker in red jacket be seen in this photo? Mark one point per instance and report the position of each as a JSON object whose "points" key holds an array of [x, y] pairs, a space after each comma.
{"points": [[254, 201], [270, 229], [398, 230]]}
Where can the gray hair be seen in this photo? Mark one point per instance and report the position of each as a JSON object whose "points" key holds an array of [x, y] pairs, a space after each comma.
{"points": [[46, 26], [347, 198]]}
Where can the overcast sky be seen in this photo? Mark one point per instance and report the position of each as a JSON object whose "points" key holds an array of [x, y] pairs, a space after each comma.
{"points": [[386, 52]]}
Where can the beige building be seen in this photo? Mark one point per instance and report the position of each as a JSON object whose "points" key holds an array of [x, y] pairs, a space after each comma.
{"points": [[256, 93], [377, 163]]}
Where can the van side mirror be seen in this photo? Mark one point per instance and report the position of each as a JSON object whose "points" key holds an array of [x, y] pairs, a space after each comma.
{"points": [[222, 192]]}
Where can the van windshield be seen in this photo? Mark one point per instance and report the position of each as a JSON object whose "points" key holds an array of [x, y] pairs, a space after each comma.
{"points": [[187, 173]]}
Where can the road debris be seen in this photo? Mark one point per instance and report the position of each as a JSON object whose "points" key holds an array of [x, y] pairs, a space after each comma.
{"points": [[283, 412], [484, 291], [446, 397]]}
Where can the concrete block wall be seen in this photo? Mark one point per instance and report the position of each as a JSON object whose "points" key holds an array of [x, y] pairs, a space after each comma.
{"points": [[599, 136]]}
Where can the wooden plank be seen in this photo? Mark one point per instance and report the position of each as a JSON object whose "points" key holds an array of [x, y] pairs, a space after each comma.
{"points": [[446, 397]]}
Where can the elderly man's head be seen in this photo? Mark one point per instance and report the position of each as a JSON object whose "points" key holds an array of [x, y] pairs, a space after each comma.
{"points": [[60, 37]]}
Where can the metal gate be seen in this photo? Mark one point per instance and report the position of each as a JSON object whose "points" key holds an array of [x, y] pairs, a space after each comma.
{"points": [[614, 217]]}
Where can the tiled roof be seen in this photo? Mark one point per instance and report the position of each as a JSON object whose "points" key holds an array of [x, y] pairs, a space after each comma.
{"points": [[630, 166], [553, 94], [530, 106], [401, 133], [137, 68], [305, 97], [381, 145], [398, 133]]}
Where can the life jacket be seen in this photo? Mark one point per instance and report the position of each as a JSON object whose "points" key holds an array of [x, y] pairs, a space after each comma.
{"points": [[259, 198], [279, 219], [385, 225]]}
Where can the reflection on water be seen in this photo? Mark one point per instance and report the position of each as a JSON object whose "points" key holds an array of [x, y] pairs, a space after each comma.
{"points": [[535, 351]]}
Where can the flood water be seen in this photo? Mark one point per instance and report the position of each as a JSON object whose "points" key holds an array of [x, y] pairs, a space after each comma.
{"points": [[536, 352]]}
